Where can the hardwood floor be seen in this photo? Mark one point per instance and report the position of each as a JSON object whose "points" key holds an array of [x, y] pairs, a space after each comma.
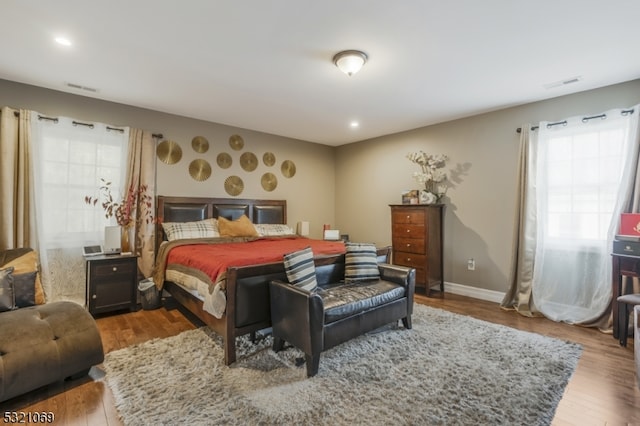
{"points": [[602, 391]]}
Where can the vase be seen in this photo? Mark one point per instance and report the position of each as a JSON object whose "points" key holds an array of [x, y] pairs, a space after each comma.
{"points": [[125, 240], [427, 197]]}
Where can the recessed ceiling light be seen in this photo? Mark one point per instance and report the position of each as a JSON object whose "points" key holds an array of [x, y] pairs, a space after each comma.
{"points": [[63, 41], [354, 124]]}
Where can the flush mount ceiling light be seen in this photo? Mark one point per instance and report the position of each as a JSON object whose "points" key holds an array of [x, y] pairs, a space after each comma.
{"points": [[350, 61]]}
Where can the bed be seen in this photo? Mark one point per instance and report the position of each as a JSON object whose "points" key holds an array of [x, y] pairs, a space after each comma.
{"points": [[245, 283]]}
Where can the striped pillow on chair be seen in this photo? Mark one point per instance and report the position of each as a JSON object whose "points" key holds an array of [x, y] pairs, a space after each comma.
{"points": [[300, 269], [361, 262]]}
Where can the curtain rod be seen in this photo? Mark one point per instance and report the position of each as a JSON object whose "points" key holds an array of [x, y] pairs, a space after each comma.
{"points": [[584, 120], [76, 123]]}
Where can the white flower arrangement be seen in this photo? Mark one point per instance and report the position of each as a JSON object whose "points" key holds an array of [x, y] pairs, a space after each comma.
{"points": [[431, 176]]}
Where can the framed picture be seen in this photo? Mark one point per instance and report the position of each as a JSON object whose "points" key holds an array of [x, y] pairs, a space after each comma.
{"points": [[411, 196]]}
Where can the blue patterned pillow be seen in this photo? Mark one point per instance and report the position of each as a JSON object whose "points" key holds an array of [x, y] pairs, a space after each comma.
{"points": [[300, 269], [361, 262]]}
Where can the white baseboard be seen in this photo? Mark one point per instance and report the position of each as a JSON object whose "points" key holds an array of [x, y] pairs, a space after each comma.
{"points": [[475, 292]]}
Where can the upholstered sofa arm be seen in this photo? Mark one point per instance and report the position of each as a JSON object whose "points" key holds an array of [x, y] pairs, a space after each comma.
{"points": [[402, 275], [397, 274], [297, 315]]}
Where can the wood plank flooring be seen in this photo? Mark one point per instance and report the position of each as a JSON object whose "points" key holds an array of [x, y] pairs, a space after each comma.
{"points": [[602, 391]]}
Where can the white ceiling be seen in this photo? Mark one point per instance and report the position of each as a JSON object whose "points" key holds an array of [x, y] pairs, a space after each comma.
{"points": [[266, 65]]}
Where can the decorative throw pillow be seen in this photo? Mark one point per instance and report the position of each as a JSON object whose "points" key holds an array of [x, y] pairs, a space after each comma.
{"points": [[241, 227], [207, 228], [274, 229], [300, 269], [24, 260], [24, 289], [7, 301], [361, 263]]}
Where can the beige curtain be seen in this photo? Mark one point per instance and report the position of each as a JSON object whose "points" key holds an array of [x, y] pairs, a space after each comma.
{"points": [[141, 177], [519, 296], [17, 219]]}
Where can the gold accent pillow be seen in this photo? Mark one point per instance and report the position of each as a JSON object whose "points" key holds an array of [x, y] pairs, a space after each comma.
{"points": [[241, 227]]}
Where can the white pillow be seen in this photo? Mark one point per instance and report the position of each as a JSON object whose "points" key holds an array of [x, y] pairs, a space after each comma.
{"points": [[207, 228], [273, 229]]}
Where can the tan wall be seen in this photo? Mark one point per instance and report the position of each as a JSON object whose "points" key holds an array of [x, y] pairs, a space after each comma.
{"points": [[483, 153], [350, 187], [309, 193]]}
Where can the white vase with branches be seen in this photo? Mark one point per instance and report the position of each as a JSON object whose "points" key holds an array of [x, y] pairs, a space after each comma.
{"points": [[431, 176]]}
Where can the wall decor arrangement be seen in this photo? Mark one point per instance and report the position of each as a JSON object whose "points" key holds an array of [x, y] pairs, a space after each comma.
{"points": [[200, 144], [233, 185], [200, 169], [248, 161], [224, 160], [236, 142], [269, 181], [169, 152], [288, 168], [269, 159]]}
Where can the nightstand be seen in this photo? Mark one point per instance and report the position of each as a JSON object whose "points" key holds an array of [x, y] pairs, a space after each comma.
{"points": [[111, 283]]}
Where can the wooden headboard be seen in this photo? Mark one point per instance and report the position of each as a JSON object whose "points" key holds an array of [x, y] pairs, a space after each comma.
{"points": [[189, 209]]}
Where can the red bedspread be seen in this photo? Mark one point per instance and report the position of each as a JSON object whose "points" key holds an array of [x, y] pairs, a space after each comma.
{"points": [[214, 259]]}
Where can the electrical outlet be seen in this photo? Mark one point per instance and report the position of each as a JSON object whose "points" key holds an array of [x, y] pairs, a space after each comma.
{"points": [[471, 264]]}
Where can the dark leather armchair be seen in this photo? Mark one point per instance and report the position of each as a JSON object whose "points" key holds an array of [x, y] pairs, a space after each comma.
{"points": [[316, 321]]}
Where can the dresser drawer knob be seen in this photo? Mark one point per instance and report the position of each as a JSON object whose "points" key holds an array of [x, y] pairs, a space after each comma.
{"points": [[408, 230], [115, 268], [408, 259], [94, 297], [408, 217], [408, 245]]}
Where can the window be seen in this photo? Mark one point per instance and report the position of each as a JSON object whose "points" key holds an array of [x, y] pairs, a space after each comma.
{"points": [[70, 160], [581, 169]]}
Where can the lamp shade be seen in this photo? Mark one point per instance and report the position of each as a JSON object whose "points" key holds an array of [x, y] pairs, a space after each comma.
{"points": [[350, 61], [303, 228]]}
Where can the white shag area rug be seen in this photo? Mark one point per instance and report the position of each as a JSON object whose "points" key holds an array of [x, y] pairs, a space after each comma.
{"points": [[448, 370]]}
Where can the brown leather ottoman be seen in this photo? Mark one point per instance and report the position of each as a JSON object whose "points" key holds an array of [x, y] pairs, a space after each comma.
{"points": [[46, 343]]}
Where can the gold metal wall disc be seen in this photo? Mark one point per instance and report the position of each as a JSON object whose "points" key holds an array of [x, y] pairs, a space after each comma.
{"points": [[200, 144], [249, 161], [236, 142], [200, 169], [233, 185], [169, 152], [224, 160], [269, 159], [269, 181], [288, 168]]}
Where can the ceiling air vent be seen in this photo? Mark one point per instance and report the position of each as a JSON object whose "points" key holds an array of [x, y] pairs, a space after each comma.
{"points": [[564, 82], [81, 87]]}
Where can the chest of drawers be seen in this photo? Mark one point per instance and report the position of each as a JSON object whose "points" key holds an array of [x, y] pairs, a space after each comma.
{"points": [[416, 234]]}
